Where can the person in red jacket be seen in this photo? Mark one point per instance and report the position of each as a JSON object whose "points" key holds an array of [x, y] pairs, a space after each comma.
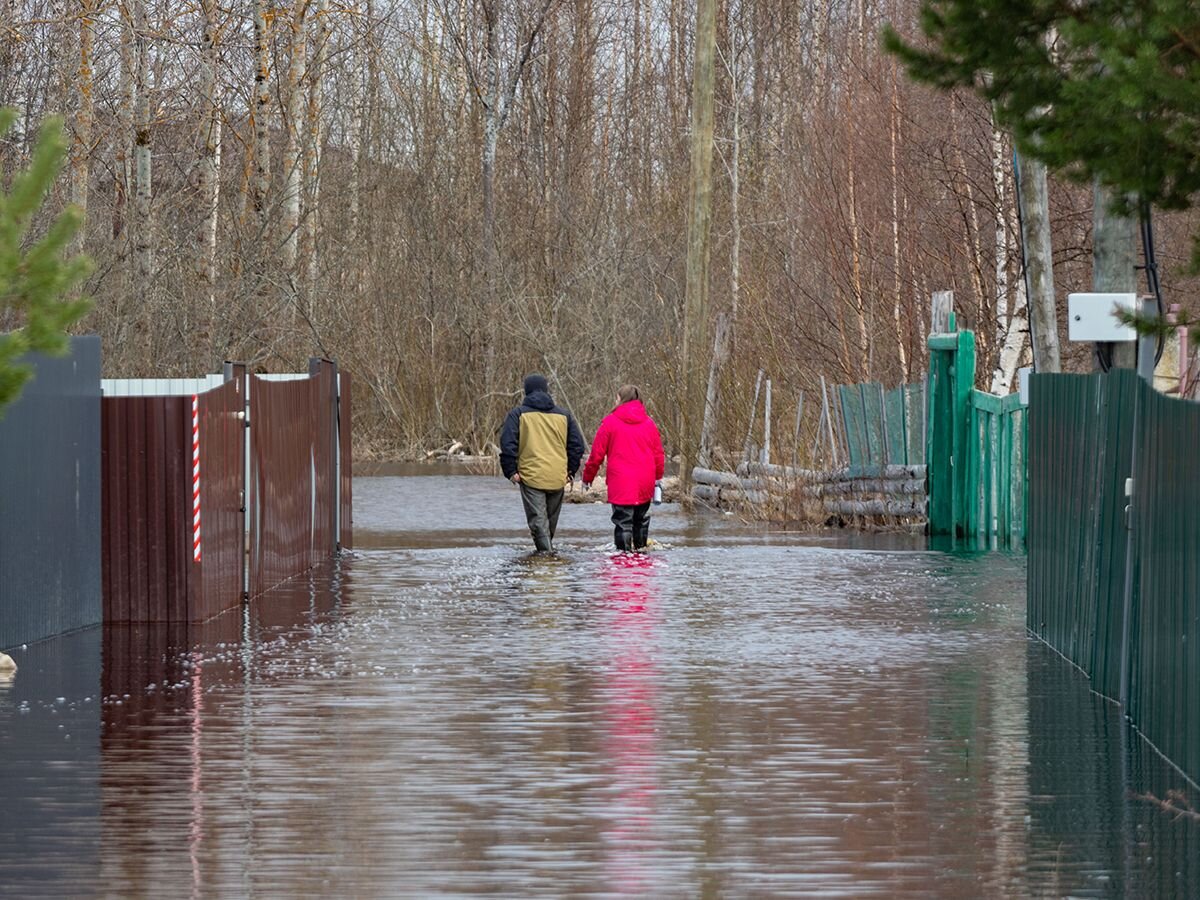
{"points": [[629, 440]]}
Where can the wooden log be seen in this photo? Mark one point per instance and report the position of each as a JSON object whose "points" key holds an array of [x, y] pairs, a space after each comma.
{"points": [[726, 479], [753, 497], [713, 477], [707, 493], [912, 486], [819, 476], [897, 508]]}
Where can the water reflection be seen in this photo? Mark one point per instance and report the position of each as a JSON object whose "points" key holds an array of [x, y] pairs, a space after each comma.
{"points": [[629, 716], [1097, 820], [742, 714]]}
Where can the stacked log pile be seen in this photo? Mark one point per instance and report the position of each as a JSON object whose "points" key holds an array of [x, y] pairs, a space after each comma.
{"points": [[895, 494]]}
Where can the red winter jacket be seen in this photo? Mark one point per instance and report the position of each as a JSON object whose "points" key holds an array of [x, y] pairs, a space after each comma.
{"points": [[630, 440]]}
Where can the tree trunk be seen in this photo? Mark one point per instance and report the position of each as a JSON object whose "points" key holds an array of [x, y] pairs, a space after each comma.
{"points": [[143, 249], [123, 156], [491, 255], [712, 396], [894, 131], [1013, 345], [260, 115], [1034, 200], [208, 166], [294, 98], [313, 145], [999, 326], [81, 145], [357, 124], [695, 318]]}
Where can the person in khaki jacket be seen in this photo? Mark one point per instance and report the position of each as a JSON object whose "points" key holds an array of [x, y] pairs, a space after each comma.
{"points": [[540, 449]]}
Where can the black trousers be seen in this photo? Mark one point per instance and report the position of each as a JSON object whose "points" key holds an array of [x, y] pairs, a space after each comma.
{"points": [[541, 512], [631, 526]]}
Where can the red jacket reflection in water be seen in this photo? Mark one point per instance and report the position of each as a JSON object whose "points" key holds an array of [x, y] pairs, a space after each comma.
{"points": [[631, 838]]}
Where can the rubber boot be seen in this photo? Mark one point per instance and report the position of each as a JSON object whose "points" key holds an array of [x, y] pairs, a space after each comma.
{"points": [[626, 540]]}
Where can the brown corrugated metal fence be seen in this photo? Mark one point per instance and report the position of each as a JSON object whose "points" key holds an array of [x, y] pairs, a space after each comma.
{"points": [[217, 582], [292, 485], [146, 508], [289, 509], [150, 571], [346, 513]]}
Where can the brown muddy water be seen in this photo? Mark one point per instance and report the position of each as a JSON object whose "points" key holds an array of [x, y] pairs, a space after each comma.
{"points": [[737, 714]]}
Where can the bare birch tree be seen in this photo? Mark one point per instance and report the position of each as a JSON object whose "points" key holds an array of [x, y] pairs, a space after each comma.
{"points": [[293, 129], [81, 143], [143, 212], [208, 165]]}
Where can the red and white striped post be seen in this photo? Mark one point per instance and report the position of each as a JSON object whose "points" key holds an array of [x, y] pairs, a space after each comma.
{"points": [[196, 477]]}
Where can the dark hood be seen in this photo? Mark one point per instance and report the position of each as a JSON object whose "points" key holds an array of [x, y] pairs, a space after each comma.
{"points": [[631, 413], [540, 401]]}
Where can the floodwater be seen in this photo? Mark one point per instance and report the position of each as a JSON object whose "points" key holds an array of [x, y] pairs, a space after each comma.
{"points": [[739, 713]]}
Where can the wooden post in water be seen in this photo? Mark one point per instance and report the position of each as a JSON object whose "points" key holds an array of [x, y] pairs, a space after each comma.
{"points": [[765, 453], [753, 413], [796, 429], [827, 413]]}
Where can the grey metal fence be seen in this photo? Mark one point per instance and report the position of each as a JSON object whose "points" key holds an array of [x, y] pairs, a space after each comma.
{"points": [[50, 499]]}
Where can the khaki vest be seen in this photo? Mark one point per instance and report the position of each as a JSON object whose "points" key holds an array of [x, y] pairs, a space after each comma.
{"points": [[542, 457]]}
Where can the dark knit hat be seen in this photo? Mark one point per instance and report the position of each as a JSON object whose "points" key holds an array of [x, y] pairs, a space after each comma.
{"points": [[536, 383]]}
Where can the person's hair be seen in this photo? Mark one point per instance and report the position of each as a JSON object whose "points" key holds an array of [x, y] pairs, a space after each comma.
{"points": [[628, 392]]}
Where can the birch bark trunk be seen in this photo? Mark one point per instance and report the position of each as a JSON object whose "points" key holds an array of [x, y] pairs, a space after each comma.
{"points": [[260, 115], [313, 145], [81, 144], [1000, 325], [123, 148], [294, 98], [208, 167], [143, 212], [897, 322]]}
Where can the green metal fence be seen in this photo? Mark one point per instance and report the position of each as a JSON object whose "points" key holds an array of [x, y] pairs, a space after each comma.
{"points": [[1085, 431], [1080, 439], [883, 427], [1164, 689], [976, 449]]}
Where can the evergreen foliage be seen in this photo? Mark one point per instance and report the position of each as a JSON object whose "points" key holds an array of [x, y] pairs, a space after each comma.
{"points": [[1108, 89], [36, 275]]}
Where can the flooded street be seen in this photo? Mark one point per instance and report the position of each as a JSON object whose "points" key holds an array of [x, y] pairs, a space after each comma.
{"points": [[739, 713]]}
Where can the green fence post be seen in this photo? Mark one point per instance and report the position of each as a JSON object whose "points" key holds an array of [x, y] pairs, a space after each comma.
{"points": [[963, 377], [939, 438]]}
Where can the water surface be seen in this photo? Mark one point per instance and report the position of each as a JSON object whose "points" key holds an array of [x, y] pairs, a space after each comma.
{"points": [[743, 712]]}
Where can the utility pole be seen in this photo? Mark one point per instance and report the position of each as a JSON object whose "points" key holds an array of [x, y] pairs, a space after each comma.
{"points": [[695, 298], [1033, 211], [1114, 261]]}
